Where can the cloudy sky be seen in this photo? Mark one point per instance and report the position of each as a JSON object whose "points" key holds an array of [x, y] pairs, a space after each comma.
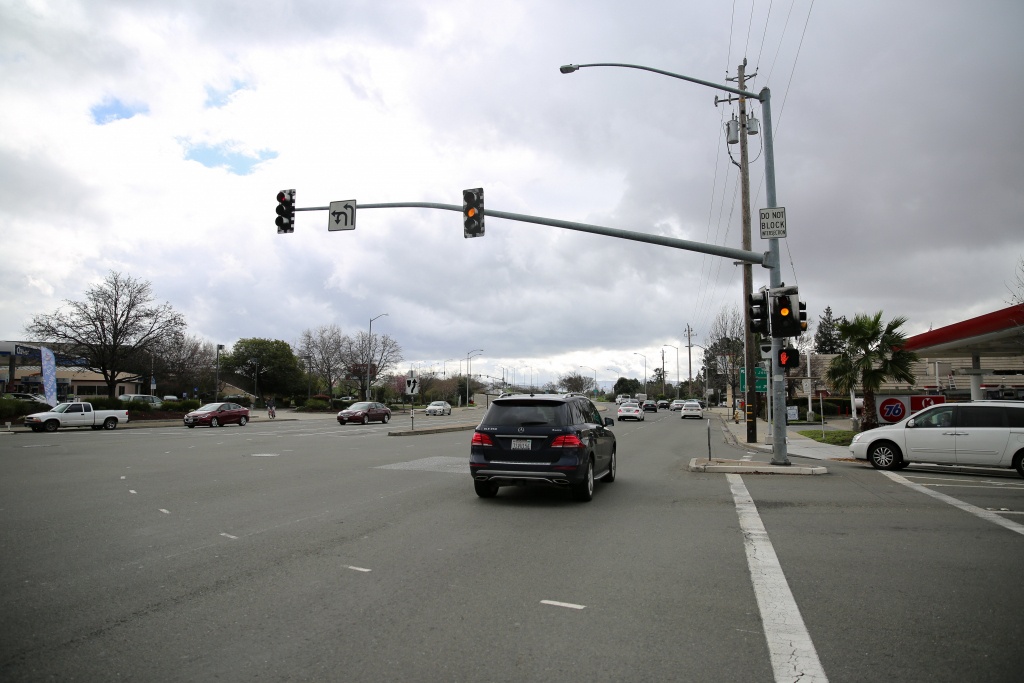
{"points": [[150, 137]]}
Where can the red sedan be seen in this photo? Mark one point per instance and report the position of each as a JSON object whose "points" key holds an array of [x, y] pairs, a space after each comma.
{"points": [[365, 411], [218, 415]]}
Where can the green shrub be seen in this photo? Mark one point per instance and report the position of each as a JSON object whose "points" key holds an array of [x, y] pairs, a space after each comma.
{"points": [[315, 405]]}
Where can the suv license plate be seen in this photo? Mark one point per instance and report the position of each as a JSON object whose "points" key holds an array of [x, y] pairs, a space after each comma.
{"points": [[522, 444]]}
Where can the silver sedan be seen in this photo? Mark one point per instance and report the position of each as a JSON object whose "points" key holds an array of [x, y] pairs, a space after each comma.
{"points": [[439, 408]]}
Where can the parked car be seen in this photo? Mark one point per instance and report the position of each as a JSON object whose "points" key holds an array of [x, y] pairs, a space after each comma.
{"points": [[171, 398], [629, 410], [218, 415], [691, 409], [984, 433], [543, 439], [22, 396], [649, 406], [153, 401], [365, 411], [677, 404], [439, 408]]}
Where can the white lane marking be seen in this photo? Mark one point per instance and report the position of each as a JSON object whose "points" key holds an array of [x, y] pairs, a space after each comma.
{"points": [[132, 491], [264, 455], [358, 569], [793, 656], [438, 463], [966, 507], [226, 535], [562, 604], [166, 512]]}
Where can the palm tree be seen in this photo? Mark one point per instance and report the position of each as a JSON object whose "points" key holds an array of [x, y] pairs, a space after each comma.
{"points": [[871, 355]]}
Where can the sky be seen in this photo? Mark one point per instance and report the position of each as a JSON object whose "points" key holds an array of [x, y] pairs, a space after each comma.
{"points": [[150, 137]]}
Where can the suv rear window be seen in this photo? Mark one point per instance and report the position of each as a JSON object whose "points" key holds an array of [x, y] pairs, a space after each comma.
{"points": [[523, 412]]}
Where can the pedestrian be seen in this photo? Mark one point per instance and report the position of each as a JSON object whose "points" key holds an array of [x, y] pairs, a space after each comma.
{"points": [[271, 409]]}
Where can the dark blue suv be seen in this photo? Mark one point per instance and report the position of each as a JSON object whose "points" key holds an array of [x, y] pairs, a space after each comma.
{"points": [[549, 439]]}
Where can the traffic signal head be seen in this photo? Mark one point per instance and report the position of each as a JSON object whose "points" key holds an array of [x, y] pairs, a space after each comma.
{"points": [[785, 319], [473, 212], [757, 310], [285, 211], [802, 313], [789, 358]]}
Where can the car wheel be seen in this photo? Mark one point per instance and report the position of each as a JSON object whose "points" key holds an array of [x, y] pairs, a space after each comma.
{"points": [[214, 422], [191, 426], [449, 411], [386, 419], [610, 477], [1018, 463], [365, 419], [884, 456], [584, 490], [51, 426], [485, 489], [110, 423], [242, 420]]}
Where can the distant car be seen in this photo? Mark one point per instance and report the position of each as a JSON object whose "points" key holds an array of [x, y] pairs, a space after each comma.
{"points": [[677, 404], [218, 415], [542, 440], [650, 406], [663, 404], [629, 410], [439, 408], [347, 398], [365, 411], [153, 401], [171, 398], [692, 409]]}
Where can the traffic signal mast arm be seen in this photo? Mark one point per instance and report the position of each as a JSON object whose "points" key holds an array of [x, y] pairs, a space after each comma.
{"points": [[756, 258]]}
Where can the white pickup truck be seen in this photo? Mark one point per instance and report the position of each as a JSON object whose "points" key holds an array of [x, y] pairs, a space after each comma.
{"points": [[75, 414]]}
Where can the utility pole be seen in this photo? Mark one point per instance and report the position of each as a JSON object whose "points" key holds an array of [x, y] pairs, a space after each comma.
{"points": [[689, 358], [751, 356]]}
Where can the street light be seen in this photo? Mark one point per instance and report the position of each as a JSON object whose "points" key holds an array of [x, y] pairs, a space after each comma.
{"points": [[595, 378], [444, 367], [677, 367], [369, 354], [469, 375], [645, 369], [779, 449]]}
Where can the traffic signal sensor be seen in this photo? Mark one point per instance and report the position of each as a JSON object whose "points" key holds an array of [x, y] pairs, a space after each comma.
{"points": [[757, 308], [285, 211], [789, 358], [473, 212]]}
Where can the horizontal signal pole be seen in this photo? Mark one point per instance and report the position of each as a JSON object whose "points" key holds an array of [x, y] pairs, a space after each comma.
{"points": [[761, 259]]}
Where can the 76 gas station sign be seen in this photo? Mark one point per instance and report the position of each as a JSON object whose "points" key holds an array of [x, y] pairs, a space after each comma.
{"points": [[892, 409]]}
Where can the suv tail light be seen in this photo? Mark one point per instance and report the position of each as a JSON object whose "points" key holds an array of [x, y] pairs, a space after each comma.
{"points": [[567, 441], [480, 439]]}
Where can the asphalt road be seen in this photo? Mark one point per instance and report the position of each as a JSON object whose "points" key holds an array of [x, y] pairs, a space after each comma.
{"points": [[308, 551]]}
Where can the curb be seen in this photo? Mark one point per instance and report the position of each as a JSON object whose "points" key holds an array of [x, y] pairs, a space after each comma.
{"points": [[717, 465], [433, 430]]}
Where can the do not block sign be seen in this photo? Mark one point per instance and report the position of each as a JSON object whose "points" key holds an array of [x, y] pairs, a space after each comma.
{"points": [[773, 222]]}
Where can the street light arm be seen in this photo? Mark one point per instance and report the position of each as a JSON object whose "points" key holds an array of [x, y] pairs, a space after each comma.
{"points": [[569, 68]]}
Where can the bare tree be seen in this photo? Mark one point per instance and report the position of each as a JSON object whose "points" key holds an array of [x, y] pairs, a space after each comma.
{"points": [[725, 346], [114, 325], [1017, 288], [325, 347], [576, 383], [190, 360], [369, 358]]}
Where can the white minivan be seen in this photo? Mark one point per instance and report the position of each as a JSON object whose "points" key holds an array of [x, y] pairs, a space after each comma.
{"points": [[983, 433]]}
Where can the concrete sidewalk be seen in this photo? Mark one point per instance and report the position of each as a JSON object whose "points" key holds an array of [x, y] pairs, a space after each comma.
{"points": [[796, 445]]}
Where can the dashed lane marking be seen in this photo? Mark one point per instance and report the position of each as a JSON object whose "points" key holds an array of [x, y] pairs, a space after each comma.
{"points": [[562, 604]]}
